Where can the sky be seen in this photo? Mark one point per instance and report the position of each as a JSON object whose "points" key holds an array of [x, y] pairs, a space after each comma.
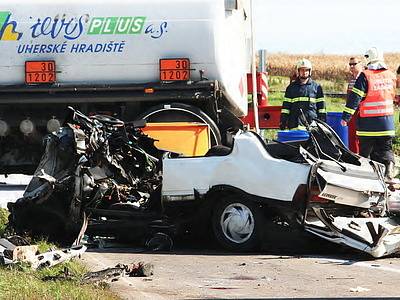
{"points": [[326, 26]]}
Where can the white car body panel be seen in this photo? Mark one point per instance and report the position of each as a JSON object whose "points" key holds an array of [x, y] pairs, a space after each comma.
{"points": [[360, 178], [383, 240], [248, 167], [346, 196], [357, 186]]}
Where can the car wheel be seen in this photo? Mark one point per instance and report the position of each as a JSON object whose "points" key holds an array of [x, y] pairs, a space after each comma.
{"points": [[238, 224]]}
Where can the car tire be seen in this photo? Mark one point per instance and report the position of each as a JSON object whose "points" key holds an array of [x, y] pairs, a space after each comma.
{"points": [[238, 224]]}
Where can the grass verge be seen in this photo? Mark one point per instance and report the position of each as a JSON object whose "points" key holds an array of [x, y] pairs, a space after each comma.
{"points": [[27, 284], [20, 282], [3, 220]]}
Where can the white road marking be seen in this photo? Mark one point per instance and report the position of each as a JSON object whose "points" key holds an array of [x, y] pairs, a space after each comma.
{"points": [[10, 194], [12, 187], [374, 265], [18, 179]]}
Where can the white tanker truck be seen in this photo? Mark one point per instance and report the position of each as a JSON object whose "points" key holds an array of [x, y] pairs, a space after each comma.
{"points": [[164, 61]]}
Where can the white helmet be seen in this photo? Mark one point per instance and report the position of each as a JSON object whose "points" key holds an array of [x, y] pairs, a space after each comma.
{"points": [[373, 55], [304, 63]]}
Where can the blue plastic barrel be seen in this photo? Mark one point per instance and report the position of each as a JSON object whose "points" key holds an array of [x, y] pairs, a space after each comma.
{"points": [[333, 119], [292, 135]]}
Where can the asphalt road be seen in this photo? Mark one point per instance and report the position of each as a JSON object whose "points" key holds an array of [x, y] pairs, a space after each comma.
{"points": [[290, 265], [202, 274]]}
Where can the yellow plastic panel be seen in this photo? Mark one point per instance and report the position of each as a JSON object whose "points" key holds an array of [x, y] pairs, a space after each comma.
{"points": [[187, 138]]}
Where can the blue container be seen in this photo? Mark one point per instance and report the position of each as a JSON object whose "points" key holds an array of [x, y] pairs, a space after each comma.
{"points": [[333, 119], [292, 135]]}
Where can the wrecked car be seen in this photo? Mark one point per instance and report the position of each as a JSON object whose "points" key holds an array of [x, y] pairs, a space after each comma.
{"points": [[105, 177]]}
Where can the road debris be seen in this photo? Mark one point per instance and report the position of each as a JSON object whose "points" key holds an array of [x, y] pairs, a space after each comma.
{"points": [[339, 278], [113, 274], [243, 277], [55, 257], [138, 270], [159, 242], [104, 276], [11, 254]]}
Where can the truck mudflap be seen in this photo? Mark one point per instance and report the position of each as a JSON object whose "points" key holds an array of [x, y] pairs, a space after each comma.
{"points": [[378, 236]]}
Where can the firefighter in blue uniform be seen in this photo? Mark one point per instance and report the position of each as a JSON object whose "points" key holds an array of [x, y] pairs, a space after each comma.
{"points": [[373, 94], [303, 95]]}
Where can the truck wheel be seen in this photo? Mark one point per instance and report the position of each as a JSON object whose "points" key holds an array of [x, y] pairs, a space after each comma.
{"points": [[237, 224]]}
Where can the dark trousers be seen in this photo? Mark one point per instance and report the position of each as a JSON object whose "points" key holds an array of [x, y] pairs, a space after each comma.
{"points": [[377, 148]]}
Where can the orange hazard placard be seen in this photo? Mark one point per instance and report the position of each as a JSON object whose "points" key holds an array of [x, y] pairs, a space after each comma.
{"points": [[40, 72], [175, 69]]}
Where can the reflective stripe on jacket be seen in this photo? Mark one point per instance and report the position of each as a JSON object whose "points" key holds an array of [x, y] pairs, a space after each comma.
{"points": [[369, 126], [381, 92]]}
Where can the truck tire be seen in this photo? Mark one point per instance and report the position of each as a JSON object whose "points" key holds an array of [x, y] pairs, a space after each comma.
{"points": [[174, 112], [237, 224]]}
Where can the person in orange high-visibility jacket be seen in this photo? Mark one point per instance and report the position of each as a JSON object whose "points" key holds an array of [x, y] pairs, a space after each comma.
{"points": [[373, 94]]}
